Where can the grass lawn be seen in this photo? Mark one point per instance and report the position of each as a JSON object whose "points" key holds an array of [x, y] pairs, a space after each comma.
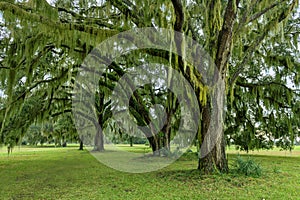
{"points": [[66, 173]]}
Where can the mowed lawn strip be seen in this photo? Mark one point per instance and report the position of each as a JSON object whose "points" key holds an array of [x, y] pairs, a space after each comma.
{"points": [[66, 173]]}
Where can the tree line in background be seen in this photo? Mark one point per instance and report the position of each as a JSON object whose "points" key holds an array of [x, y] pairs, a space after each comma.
{"points": [[253, 44]]}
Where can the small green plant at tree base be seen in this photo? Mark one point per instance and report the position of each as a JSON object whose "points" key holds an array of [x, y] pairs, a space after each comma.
{"points": [[247, 167]]}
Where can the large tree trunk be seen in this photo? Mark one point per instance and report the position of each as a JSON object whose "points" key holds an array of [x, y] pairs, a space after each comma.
{"points": [[167, 131], [99, 141], [171, 108], [154, 144], [212, 155], [214, 160]]}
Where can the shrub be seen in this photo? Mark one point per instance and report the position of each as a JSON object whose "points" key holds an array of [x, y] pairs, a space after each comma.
{"points": [[247, 167]]}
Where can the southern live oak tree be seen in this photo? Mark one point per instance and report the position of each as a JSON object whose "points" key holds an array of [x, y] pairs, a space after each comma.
{"points": [[250, 43]]}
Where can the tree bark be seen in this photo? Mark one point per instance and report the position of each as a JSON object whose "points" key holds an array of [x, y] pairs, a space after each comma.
{"points": [[153, 141], [215, 160], [99, 141], [212, 156], [81, 145], [167, 131], [99, 138]]}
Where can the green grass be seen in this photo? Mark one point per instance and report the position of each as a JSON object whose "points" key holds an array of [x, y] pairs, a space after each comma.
{"points": [[66, 173]]}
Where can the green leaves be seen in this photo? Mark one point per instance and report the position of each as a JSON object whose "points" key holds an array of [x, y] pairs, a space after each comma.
{"points": [[47, 44], [247, 167]]}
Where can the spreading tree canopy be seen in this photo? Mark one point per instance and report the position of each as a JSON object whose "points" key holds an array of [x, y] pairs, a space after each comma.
{"points": [[254, 46]]}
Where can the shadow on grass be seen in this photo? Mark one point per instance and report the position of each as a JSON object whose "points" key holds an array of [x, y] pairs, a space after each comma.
{"points": [[194, 178], [181, 175]]}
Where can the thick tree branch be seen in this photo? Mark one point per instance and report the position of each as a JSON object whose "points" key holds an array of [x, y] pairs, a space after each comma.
{"points": [[87, 20], [225, 37], [179, 14], [88, 117], [280, 104]]}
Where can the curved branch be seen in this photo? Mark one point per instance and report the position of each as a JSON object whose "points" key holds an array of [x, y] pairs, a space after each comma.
{"points": [[22, 13], [129, 9], [265, 84], [261, 13], [3, 67], [89, 20]]}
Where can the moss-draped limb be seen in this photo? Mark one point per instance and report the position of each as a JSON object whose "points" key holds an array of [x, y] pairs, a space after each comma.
{"points": [[50, 24]]}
